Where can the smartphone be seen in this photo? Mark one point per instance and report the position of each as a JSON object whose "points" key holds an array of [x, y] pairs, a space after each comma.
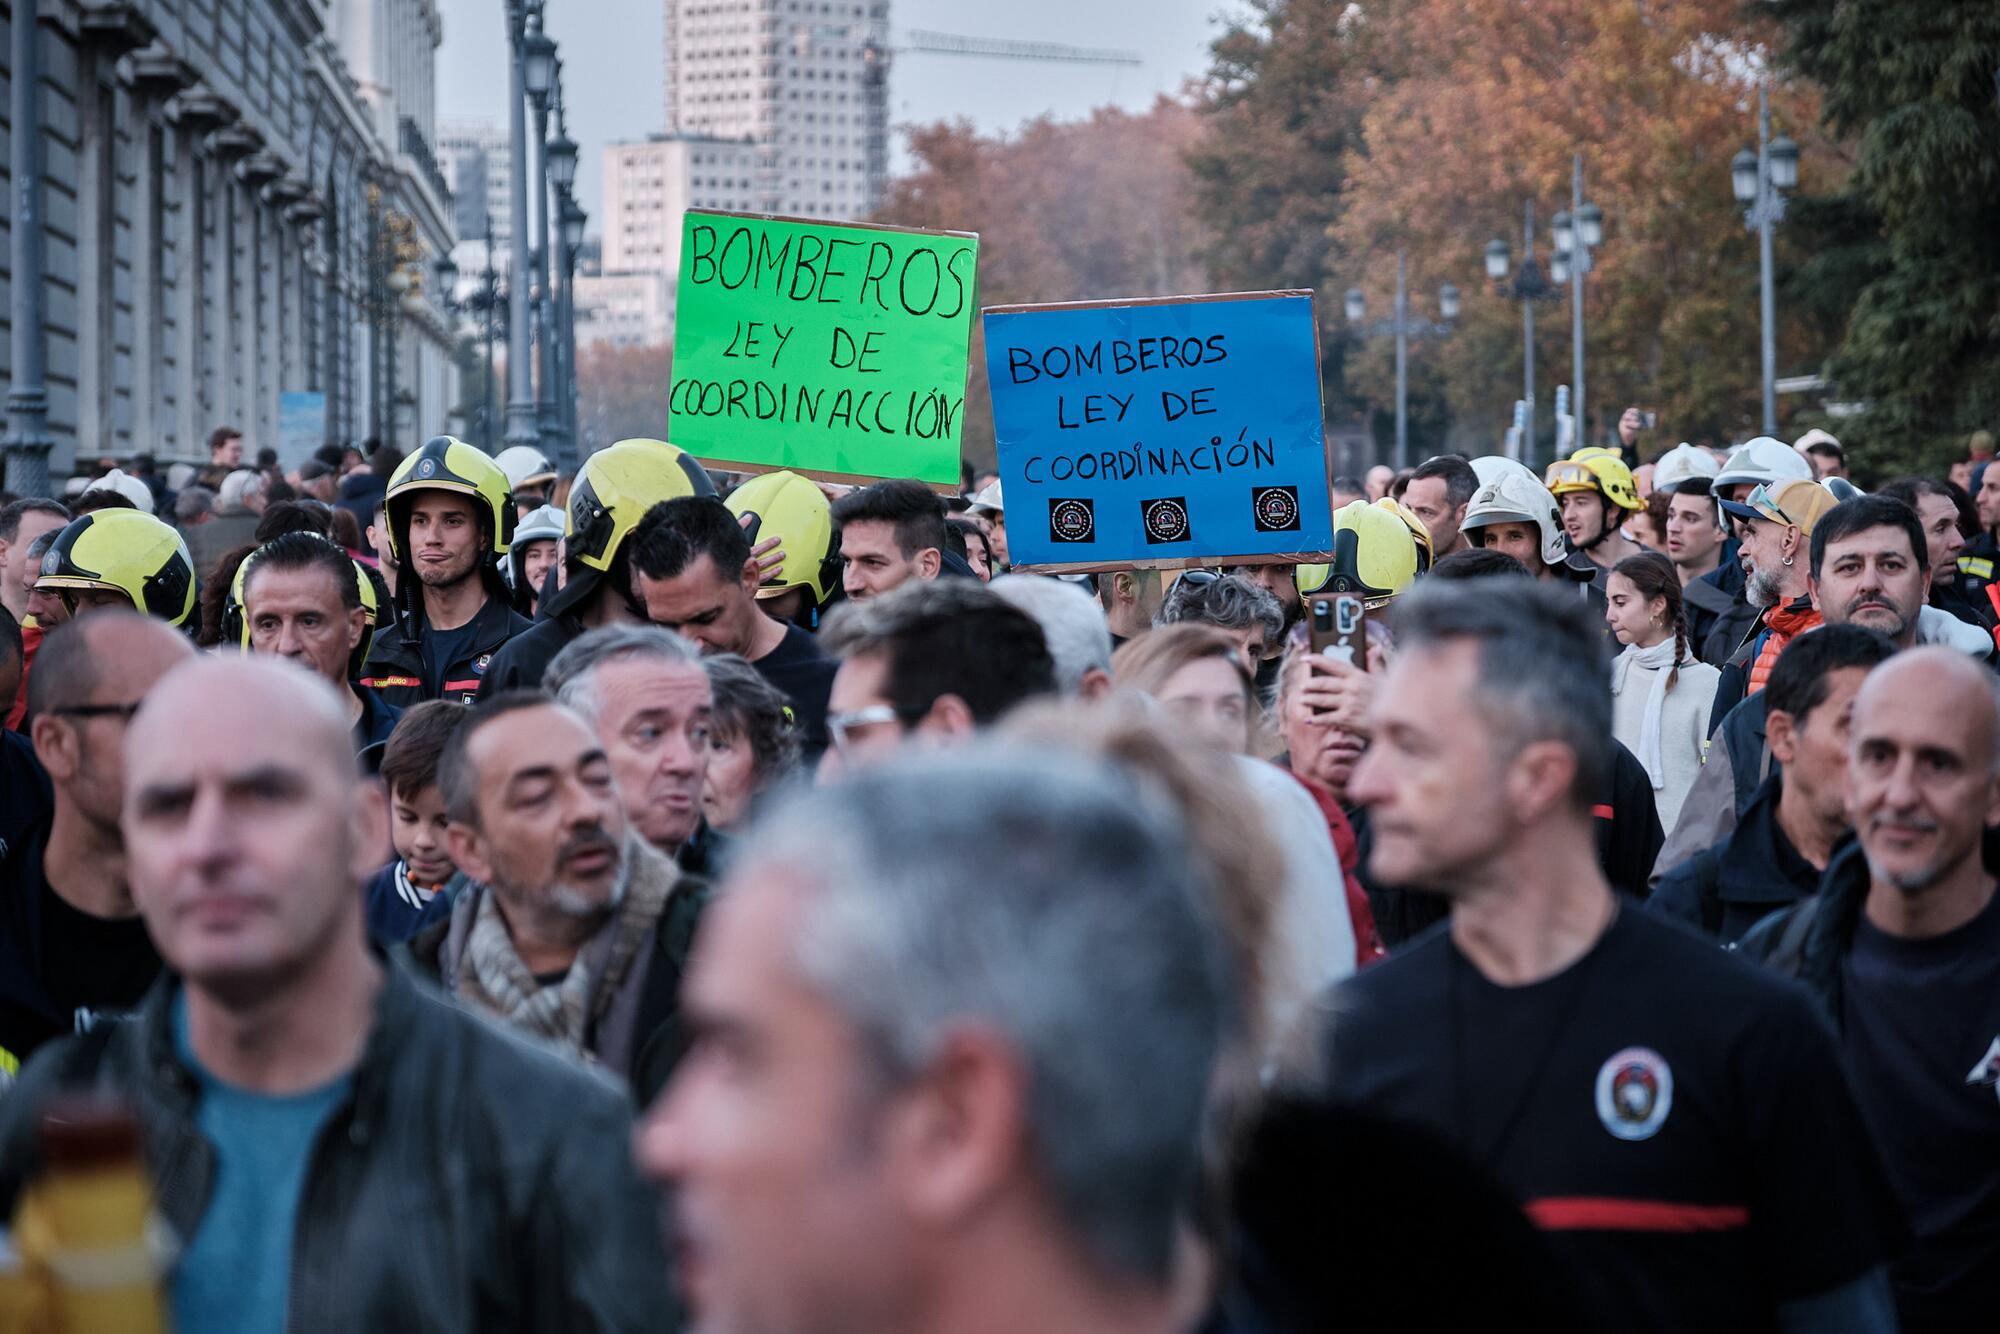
{"points": [[1652, 420], [1339, 629]]}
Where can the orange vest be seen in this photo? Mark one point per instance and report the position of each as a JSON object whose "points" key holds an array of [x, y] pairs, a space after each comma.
{"points": [[1781, 627]]}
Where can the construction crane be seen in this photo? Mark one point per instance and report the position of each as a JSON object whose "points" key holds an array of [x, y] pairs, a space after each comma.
{"points": [[875, 57], [954, 44], [919, 41]]}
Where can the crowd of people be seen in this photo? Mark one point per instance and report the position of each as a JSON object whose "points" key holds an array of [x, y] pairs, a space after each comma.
{"points": [[648, 899]]}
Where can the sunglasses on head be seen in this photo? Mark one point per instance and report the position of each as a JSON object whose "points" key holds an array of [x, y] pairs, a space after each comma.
{"points": [[1760, 497]]}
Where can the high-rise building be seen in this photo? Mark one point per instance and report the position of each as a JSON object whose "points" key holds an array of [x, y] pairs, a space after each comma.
{"points": [[649, 185], [773, 106], [624, 309], [474, 156], [802, 80]]}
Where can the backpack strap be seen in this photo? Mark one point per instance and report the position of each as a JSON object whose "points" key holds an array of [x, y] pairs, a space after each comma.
{"points": [[1788, 955]]}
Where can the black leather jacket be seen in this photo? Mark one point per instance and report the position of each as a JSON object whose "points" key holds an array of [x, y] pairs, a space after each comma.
{"points": [[470, 1182]]}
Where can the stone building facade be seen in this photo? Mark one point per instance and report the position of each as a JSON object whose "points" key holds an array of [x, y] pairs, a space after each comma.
{"points": [[222, 183]]}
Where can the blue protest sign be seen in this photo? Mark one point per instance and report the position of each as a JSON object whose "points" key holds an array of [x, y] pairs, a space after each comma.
{"points": [[1172, 433]]}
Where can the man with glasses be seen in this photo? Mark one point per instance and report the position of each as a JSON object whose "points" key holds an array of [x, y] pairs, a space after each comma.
{"points": [[72, 947], [929, 663]]}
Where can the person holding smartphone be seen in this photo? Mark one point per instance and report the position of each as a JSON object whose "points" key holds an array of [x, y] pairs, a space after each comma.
{"points": [[1631, 423]]}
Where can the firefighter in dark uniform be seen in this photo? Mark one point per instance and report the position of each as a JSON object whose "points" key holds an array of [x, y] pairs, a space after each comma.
{"points": [[451, 516]]}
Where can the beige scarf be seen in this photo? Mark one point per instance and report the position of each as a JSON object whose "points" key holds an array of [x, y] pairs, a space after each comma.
{"points": [[490, 973]]}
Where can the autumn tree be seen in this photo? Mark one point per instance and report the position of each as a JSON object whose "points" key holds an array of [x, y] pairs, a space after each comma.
{"points": [[1065, 211], [1438, 118], [1285, 100], [1916, 263]]}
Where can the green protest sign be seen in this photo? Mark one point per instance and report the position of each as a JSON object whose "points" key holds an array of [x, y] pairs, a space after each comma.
{"points": [[834, 349]]}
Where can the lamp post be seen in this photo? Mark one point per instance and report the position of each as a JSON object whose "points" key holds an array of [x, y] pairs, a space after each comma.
{"points": [[1577, 232], [1403, 328], [447, 278], [521, 422], [489, 300], [28, 440], [573, 218], [540, 72], [1760, 180], [1528, 286], [560, 154]]}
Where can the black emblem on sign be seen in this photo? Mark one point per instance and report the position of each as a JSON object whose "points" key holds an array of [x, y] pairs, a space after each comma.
{"points": [[1072, 521], [1276, 508], [1166, 519]]}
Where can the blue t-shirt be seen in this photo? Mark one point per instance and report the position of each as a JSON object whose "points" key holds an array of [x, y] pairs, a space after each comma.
{"points": [[235, 1272]]}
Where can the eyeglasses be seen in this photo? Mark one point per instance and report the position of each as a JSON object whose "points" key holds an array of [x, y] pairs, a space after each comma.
{"points": [[839, 726], [1199, 578], [123, 712]]}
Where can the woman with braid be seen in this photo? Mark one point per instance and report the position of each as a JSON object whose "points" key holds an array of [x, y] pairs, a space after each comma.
{"points": [[1660, 692]]}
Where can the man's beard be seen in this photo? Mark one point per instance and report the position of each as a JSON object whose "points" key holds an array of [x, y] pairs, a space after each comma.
{"points": [[1762, 590], [1902, 628], [573, 902], [558, 897], [1912, 881], [1294, 613], [447, 577], [1604, 534]]}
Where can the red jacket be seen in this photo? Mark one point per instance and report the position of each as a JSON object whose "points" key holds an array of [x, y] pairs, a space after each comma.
{"points": [[1367, 940], [31, 639]]}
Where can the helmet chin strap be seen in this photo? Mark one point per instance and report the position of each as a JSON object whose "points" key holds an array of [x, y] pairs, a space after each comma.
{"points": [[1604, 532]]}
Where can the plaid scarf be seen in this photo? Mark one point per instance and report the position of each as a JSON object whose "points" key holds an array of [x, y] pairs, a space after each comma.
{"points": [[491, 976]]}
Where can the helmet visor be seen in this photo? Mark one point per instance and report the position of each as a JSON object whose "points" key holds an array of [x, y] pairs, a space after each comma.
{"points": [[1488, 518], [1565, 476]]}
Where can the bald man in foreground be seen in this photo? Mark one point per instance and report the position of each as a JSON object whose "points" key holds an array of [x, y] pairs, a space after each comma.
{"points": [[1902, 947], [334, 1149]]}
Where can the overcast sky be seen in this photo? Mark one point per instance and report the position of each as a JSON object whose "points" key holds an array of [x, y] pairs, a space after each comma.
{"points": [[613, 52]]}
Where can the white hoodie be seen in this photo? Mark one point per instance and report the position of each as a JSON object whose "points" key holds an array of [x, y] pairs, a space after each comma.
{"points": [[1941, 627]]}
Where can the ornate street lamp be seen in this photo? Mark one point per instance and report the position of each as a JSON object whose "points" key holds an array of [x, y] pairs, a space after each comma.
{"points": [[1402, 327], [1759, 180], [1527, 286]]}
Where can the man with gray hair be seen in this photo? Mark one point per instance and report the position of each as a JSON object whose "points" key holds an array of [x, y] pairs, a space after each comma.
{"points": [[1229, 602], [645, 691], [1072, 622], [1678, 1122], [924, 1101], [239, 504], [193, 507], [575, 931]]}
